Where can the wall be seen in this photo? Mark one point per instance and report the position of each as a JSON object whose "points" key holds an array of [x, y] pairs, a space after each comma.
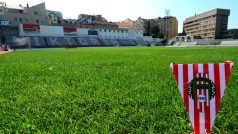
{"points": [[110, 33], [82, 32], [56, 31], [135, 34], [52, 31]]}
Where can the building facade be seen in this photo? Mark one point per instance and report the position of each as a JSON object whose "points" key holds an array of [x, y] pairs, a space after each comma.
{"points": [[230, 34], [85, 21], [128, 23], [21, 15], [168, 26], [55, 17], [146, 24], [207, 25]]}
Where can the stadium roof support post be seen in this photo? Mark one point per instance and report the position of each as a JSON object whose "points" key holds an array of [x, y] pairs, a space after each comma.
{"points": [[29, 43]]}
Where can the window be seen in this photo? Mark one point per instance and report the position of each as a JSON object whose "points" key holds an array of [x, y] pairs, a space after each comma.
{"points": [[14, 10], [37, 21], [92, 32], [36, 13], [42, 21], [0, 10], [15, 19], [20, 19], [105, 30]]}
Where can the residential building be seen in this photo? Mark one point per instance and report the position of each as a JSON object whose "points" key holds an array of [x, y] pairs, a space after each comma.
{"points": [[208, 25], [230, 34], [146, 24], [18, 14], [85, 21], [55, 17], [128, 23], [168, 26]]}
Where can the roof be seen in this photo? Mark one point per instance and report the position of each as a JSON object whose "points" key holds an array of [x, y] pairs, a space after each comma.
{"points": [[208, 13], [15, 6]]}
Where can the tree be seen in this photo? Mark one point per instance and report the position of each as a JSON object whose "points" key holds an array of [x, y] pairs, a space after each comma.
{"points": [[155, 31], [182, 34], [3, 39], [161, 35]]}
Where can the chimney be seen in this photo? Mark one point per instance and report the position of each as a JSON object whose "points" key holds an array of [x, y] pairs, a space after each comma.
{"points": [[27, 5]]}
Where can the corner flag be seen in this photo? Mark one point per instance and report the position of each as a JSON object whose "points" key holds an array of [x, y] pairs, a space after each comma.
{"points": [[202, 87]]}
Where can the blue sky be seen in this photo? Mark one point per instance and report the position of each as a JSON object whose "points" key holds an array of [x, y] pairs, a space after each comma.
{"points": [[116, 10]]}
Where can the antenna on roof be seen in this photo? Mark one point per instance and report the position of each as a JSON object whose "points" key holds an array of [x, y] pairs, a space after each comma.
{"points": [[167, 12]]}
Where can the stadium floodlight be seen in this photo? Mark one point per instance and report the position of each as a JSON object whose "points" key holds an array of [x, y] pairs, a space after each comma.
{"points": [[167, 12]]}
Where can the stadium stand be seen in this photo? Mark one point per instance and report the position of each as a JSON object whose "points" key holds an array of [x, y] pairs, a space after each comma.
{"points": [[61, 41], [110, 42], [88, 41], [15, 37], [154, 43], [39, 42], [229, 43], [209, 42], [171, 43], [177, 44], [188, 44], [8, 30], [10, 40], [127, 42], [142, 43]]}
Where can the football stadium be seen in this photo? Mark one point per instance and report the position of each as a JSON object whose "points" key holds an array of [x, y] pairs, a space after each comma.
{"points": [[90, 75]]}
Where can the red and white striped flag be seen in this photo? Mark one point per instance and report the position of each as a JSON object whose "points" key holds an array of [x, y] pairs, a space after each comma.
{"points": [[202, 87]]}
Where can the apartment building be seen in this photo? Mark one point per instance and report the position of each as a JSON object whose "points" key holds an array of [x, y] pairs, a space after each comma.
{"points": [[208, 25], [146, 24], [18, 14], [37, 14], [168, 26], [86, 21]]}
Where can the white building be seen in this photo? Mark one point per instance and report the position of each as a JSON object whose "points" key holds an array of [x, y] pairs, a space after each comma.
{"points": [[111, 33], [107, 33]]}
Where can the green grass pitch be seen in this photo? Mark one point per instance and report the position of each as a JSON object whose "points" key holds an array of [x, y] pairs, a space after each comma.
{"points": [[105, 90]]}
